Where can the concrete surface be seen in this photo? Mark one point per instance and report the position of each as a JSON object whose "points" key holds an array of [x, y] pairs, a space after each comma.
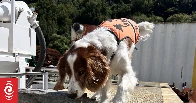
{"points": [[39, 96], [146, 92]]}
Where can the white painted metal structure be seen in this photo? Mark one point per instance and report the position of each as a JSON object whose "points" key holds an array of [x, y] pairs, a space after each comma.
{"points": [[168, 56], [18, 40]]}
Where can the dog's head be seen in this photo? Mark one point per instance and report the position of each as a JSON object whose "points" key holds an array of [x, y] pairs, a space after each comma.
{"points": [[86, 68], [79, 30]]}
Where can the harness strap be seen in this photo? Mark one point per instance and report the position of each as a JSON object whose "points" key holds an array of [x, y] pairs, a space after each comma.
{"points": [[118, 41], [133, 29]]}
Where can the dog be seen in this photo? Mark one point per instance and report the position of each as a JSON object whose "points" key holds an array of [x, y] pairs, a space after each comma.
{"points": [[105, 51], [79, 30]]}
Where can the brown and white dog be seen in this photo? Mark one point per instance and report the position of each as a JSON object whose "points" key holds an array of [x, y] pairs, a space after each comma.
{"points": [[92, 60]]}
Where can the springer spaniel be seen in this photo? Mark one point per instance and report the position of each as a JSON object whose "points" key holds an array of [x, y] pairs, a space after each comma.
{"points": [[105, 51]]}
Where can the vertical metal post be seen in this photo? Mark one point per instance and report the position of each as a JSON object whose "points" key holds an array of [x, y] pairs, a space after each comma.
{"points": [[13, 11], [22, 66], [31, 70], [19, 81], [45, 80]]}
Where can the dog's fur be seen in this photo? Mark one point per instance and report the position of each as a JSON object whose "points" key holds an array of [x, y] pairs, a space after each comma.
{"points": [[89, 65]]}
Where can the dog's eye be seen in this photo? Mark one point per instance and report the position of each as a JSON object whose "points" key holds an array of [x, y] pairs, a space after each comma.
{"points": [[80, 72]]}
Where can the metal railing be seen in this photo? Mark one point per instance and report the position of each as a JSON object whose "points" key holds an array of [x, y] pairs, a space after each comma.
{"points": [[44, 74]]}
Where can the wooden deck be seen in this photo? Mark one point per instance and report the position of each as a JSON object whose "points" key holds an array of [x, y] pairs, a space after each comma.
{"points": [[169, 96]]}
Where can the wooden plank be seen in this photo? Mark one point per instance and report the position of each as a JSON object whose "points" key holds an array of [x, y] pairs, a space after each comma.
{"points": [[169, 96], [194, 73]]}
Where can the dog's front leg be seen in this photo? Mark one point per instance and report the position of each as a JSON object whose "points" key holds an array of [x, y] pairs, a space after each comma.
{"points": [[104, 93]]}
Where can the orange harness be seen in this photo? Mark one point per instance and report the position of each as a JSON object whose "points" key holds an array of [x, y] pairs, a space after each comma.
{"points": [[123, 28]]}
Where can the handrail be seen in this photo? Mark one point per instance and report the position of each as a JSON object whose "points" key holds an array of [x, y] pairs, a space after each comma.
{"points": [[27, 73], [45, 76], [20, 74]]}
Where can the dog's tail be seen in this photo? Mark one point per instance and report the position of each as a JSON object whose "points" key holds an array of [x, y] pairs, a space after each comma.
{"points": [[145, 30]]}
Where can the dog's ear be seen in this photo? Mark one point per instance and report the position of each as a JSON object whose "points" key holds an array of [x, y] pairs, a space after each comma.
{"points": [[63, 70], [76, 26], [97, 69], [62, 73]]}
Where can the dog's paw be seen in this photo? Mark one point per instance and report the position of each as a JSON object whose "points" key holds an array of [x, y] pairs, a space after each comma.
{"points": [[59, 87], [115, 100], [96, 97], [93, 98], [120, 99], [105, 101]]}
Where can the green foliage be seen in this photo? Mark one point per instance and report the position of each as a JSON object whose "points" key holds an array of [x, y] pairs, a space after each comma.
{"points": [[140, 18], [155, 19], [57, 16], [46, 10], [32, 5], [182, 18], [59, 42], [142, 7], [193, 17], [64, 19], [54, 18], [121, 10], [93, 11]]}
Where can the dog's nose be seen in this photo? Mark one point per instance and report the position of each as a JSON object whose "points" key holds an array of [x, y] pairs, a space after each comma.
{"points": [[72, 95]]}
